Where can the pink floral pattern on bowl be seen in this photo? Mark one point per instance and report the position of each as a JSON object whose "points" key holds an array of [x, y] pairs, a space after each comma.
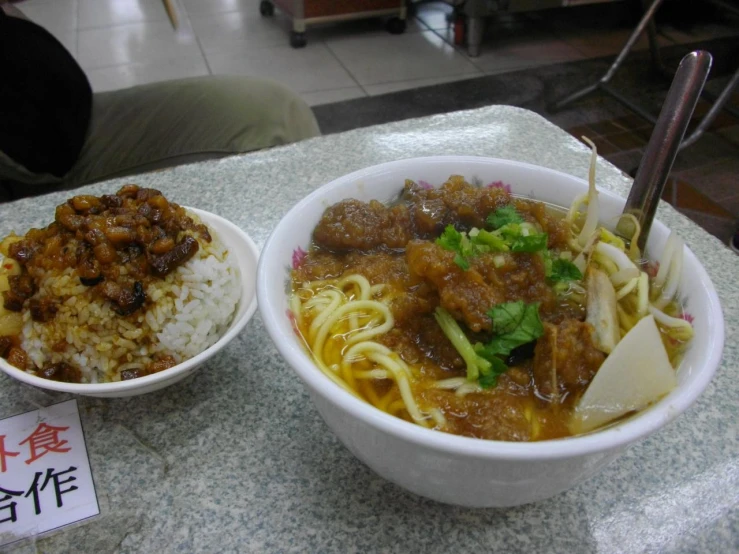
{"points": [[298, 257], [499, 185]]}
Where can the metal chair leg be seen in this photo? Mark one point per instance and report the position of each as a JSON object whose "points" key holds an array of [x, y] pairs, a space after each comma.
{"points": [[718, 105], [625, 51]]}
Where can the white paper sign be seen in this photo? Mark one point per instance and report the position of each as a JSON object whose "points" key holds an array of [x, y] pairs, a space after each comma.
{"points": [[45, 477]]}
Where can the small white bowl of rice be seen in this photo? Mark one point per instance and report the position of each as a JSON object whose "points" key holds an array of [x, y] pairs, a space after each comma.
{"points": [[197, 310]]}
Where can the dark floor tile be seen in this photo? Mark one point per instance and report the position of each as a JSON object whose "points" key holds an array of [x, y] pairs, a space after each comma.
{"points": [[685, 196], [731, 204], [707, 149], [702, 107], [721, 228], [644, 133], [626, 140], [603, 128], [580, 114], [631, 122], [604, 146], [626, 161], [579, 131], [721, 120], [5, 195], [724, 119], [719, 181], [668, 193], [731, 134]]}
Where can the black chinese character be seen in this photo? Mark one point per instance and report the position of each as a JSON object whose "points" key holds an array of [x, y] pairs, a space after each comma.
{"points": [[7, 495], [58, 491]]}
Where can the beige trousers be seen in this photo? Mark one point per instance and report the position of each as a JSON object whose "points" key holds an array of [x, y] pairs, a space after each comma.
{"points": [[160, 125]]}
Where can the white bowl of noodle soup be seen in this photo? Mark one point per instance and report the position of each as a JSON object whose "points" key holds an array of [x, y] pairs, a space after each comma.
{"points": [[455, 469]]}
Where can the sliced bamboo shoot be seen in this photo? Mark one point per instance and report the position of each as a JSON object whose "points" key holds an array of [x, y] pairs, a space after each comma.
{"points": [[601, 310], [635, 375]]}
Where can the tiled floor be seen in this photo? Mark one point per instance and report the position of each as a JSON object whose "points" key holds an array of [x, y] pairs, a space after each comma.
{"points": [[121, 43]]}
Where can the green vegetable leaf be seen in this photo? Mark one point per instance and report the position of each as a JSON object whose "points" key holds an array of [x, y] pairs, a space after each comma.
{"points": [[456, 242], [504, 216], [515, 323], [461, 261], [564, 270], [489, 377], [494, 242], [451, 239], [491, 380], [476, 365], [546, 257], [531, 243]]}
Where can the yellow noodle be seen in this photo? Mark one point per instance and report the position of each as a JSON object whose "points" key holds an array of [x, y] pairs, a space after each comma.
{"points": [[452, 383], [348, 374], [467, 388], [370, 394], [345, 318], [296, 311], [378, 374], [387, 399], [627, 288], [335, 301], [361, 282], [381, 355], [396, 407], [339, 312], [438, 417]]}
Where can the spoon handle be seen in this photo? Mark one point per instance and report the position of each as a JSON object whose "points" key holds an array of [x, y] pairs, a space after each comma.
{"points": [[664, 143]]}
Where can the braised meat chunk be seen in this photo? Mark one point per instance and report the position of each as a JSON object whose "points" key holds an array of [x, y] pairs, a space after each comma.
{"points": [[565, 359], [455, 202], [465, 294], [354, 224], [116, 244]]}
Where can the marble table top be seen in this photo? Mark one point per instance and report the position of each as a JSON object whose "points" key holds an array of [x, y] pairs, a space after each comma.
{"points": [[236, 459]]}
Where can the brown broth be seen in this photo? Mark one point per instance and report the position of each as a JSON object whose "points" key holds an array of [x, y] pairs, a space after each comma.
{"points": [[415, 279]]}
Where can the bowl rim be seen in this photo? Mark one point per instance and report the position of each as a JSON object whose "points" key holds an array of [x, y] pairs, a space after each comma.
{"points": [[149, 380], [609, 438]]}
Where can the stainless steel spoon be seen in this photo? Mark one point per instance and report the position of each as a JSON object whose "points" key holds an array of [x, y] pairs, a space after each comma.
{"points": [[664, 144]]}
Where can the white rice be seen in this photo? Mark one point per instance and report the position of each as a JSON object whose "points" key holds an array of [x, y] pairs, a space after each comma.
{"points": [[188, 311]]}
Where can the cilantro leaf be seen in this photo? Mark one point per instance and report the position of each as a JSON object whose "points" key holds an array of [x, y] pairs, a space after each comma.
{"points": [[491, 380], [530, 243], [461, 261], [504, 216], [489, 376], [450, 239], [456, 242], [515, 323], [564, 270]]}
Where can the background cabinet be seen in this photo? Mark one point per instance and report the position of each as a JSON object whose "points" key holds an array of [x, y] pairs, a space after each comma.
{"points": [[309, 12]]}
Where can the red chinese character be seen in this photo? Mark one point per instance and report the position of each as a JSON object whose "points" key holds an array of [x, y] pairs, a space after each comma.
{"points": [[45, 439], [5, 453]]}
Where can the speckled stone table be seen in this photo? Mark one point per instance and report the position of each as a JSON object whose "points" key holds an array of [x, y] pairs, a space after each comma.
{"points": [[236, 459]]}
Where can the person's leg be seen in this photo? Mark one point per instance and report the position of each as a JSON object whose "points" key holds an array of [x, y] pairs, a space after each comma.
{"points": [[165, 124]]}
